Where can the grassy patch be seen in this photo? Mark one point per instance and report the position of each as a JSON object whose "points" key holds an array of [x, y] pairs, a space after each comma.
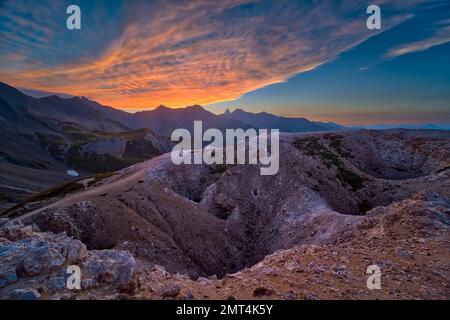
{"points": [[135, 151], [104, 175], [100, 176], [140, 149], [352, 179], [78, 135], [336, 143], [313, 147], [59, 191]]}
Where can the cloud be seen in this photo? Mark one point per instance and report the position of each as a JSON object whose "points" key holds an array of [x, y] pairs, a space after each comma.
{"points": [[200, 52], [439, 37]]}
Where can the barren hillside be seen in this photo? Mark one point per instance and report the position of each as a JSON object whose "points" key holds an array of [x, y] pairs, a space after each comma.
{"points": [[341, 202]]}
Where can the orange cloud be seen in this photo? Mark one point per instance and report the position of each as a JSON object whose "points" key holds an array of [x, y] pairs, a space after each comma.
{"points": [[204, 52]]}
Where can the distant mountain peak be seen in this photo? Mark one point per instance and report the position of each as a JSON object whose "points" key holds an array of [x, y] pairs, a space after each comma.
{"points": [[162, 119], [51, 97], [195, 107], [268, 120], [159, 109]]}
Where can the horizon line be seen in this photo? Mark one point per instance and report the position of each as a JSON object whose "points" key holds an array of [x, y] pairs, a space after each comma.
{"points": [[39, 94]]}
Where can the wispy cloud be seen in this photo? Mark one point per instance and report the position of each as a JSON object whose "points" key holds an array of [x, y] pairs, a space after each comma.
{"points": [[439, 37], [179, 53]]}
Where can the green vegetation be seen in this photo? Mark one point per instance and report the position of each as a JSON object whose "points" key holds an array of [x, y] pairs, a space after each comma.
{"points": [[352, 179], [81, 137], [140, 149], [69, 148], [100, 176], [54, 143], [313, 147], [59, 191], [77, 135], [104, 175], [94, 162], [336, 143]]}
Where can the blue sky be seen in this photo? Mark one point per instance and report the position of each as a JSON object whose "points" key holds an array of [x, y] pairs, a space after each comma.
{"points": [[314, 59], [366, 84]]}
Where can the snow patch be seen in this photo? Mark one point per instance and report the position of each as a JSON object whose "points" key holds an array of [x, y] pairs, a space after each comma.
{"points": [[72, 173]]}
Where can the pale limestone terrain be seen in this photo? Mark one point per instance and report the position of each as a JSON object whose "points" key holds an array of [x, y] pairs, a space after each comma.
{"points": [[341, 202]]}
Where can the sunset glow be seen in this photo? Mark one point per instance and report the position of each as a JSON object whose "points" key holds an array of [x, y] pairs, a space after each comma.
{"points": [[203, 52]]}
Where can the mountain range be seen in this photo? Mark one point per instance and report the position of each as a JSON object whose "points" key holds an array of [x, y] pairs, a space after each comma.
{"points": [[269, 121], [47, 140], [149, 229], [161, 120]]}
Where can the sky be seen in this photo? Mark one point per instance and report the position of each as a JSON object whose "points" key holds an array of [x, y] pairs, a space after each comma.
{"points": [[314, 59]]}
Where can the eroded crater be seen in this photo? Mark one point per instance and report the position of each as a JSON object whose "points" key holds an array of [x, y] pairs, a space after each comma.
{"points": [[392, 156], [219, 219]]}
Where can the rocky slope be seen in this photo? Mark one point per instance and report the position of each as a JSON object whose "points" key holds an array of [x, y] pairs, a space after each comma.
{"points": [[341, 202], [408, 240], [46, 137], [34, 264], [49, 136]]}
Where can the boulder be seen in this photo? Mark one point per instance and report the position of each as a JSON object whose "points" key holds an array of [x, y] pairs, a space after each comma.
{"points": [[24, 294], [112, 267], [42, 259], [170, 291]]}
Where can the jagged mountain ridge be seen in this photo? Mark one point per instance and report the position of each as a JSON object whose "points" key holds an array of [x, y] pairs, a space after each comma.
{"points": [[54, 134], [43, 138], [161, 120], [269, 121]]}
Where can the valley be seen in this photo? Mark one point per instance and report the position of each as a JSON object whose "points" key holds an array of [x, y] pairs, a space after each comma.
{"points": [[48, 136], [342, 200], [336, 192]]}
